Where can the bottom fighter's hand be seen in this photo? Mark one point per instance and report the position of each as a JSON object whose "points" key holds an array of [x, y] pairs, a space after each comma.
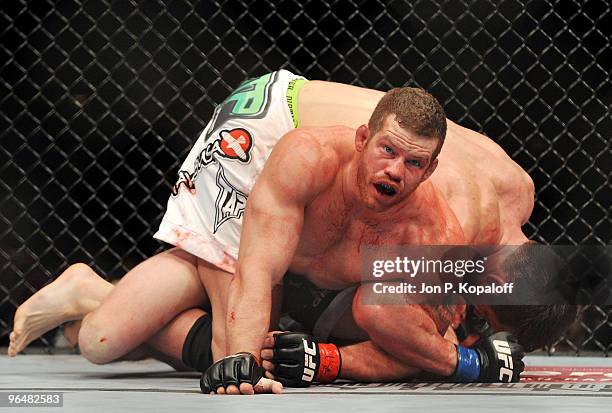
{"points": [[237, 374], [501, 358], [296, 360], [496, 358]]}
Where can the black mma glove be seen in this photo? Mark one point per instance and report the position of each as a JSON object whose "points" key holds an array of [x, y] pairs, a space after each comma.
{"points": [[501, 358], [299, 360], [234, 369], [495, 358]]}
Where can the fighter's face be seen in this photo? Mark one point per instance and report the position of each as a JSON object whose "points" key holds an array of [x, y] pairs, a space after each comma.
{"points": [[394, 162]]}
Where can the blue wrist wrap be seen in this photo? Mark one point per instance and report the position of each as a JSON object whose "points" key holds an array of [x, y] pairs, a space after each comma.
{"points": [[468, 365]]}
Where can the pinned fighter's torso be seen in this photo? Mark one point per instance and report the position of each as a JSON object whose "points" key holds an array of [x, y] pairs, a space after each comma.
{"points": [[489, 193]]}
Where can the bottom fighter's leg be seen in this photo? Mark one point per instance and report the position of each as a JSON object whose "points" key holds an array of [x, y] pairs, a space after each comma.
{"points": [[171, 344], [79, 291], [217, 282], [145, 300], [75, 293]]}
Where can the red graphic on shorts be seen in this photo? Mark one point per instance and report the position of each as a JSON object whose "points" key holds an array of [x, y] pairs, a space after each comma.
{"points": [[229, 144], [236, 143]]}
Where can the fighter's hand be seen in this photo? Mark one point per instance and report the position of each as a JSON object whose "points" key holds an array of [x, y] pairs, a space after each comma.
{"points": [[237, 374], [296, 360], [501, 358]]}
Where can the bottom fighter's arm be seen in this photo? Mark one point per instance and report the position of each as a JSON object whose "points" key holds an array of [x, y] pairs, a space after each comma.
{"points": [[410, 333], [366, 361], [284, 357], [404, 341]]}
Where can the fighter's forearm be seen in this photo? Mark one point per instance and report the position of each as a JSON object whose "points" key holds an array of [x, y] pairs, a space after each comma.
{"points": [[246, 328], [429, 352], [409, 334], [368, 362]]}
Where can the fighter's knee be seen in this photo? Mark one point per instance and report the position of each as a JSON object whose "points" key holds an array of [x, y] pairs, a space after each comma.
{"points": [[95, 345]]}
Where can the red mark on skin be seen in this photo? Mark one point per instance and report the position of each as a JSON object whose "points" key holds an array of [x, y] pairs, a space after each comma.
{"points": [[232, 316], [103, 339]]}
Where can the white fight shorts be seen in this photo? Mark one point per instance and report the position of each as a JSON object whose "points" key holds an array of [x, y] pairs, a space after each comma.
{"points": [[205, 209]]}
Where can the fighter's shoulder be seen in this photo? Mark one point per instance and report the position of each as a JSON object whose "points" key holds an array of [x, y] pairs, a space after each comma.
{"points": [[313, 147], [306, 153]]}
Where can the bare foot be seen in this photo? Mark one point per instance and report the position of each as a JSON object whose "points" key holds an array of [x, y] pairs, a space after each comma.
{"points": [[75, 293]]}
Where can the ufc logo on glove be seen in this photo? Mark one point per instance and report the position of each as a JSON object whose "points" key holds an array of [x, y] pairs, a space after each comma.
{"points": [[504, 354], [309, 365]]}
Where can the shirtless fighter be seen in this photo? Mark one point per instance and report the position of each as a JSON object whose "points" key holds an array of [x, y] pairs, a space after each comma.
{"points": [[373, 190], [101, 342]]}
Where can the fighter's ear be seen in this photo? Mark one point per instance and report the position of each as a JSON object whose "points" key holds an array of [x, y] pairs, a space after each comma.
{"points": [[361, 137], [430, 169]]}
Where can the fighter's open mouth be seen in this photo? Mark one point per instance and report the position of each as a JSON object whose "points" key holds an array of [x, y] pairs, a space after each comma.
{"points": [[385, 189]]}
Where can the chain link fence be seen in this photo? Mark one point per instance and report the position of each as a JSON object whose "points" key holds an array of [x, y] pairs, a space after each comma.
{"points": [[101, 100]]}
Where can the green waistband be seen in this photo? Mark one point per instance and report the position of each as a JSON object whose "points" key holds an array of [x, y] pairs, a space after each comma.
{"points": [[292, 99]]}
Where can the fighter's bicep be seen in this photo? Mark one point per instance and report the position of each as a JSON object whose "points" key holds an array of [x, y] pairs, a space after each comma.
{"points": [[271, 230], [275, 209]]}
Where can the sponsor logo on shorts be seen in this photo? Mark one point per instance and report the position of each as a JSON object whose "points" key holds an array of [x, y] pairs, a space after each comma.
{"points": [[230, 201], [236, 144], [232, 144]]}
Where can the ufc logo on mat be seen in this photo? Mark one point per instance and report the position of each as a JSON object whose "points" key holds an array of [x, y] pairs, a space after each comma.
{"points": [[309, 365], [503, 353]]}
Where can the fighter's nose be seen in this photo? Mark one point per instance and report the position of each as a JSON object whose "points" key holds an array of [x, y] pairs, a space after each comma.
{"points": [[393, 172]]}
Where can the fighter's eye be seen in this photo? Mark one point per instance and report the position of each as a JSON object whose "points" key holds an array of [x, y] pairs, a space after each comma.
{"points": [[388, 149], [414, 162]]}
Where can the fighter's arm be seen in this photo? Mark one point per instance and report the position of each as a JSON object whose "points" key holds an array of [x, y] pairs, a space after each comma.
{"points": [[285, 354], [366, 361], [270, 234], [297, 359], [409, 333]]}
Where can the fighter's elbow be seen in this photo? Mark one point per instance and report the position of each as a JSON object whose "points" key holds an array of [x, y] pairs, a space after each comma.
{"points": [[365, 316]]}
